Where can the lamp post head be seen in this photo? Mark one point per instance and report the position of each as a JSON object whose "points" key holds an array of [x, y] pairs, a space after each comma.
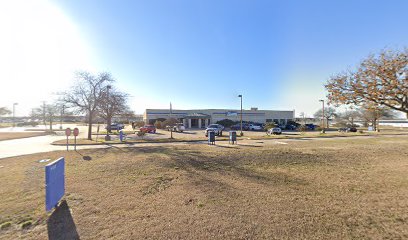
{"points": [[15, 104], [240, 96], [321, 100]]}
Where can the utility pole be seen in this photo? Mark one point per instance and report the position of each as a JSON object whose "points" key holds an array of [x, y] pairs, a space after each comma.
{"points": [[171, 127], [44, 120], [323, 128], [14, 114], [240, 96], [108, 120]]}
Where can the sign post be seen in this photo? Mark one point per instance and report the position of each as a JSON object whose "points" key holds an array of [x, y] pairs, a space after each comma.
{"points": [[67, 133], [54, 183], [76, 133]]}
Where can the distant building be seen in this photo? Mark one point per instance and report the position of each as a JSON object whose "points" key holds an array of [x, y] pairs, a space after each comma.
{"points": [[200, 118]]}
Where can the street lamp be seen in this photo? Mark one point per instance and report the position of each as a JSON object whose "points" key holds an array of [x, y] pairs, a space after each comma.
{"points": [[62, 113], [108, 120], [323, 129], [240, 96], [14, 114]]}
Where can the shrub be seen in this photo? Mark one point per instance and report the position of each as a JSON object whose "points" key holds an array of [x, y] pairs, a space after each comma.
{"points": [[226, 122], [26, 224], [23, 124], [141, 134], [139, 124], [159, 125], [169, 122], [5, 225], [270, 125], [303, 128]]}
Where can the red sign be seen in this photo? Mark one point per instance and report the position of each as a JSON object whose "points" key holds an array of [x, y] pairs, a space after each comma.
{"points": [[68, 132], [76, 132]]}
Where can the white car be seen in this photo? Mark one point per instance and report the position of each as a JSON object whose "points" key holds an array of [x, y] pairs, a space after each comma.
{"points": [[254, 127], [178, 127], [217, 128], [274, 131]]}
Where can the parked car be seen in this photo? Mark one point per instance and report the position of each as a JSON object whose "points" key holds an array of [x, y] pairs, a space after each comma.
{"points": [[178, 127], [290, 127], [116, 126], [238, 127], [311, 126], [217, 128], [254, 127], [148, 129], [274, 131], [348, 129]]}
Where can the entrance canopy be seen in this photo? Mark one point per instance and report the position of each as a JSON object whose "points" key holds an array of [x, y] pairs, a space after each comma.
{"points": [[197, 116]]}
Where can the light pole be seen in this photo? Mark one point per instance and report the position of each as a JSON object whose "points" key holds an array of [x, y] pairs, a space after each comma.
{"points": [[108, 120], [14, 114], [240, 96], [323, 128], [62, 113]]}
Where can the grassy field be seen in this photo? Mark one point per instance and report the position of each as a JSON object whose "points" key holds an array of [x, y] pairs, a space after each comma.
{"points": [[17, 135], [311, 189]]}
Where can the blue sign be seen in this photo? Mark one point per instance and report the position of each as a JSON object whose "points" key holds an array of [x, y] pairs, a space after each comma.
{"points": [[121, 135], [54, 183]]}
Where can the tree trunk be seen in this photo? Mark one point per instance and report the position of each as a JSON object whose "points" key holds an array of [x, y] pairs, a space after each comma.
{"points": [[90, 126], [109, 123], [51, 125]]}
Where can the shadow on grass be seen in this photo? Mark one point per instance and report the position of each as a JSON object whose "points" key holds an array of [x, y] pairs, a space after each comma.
{"points": [[60, 224], [205, 168], [191, 133], [86, 158], [248, 145]]}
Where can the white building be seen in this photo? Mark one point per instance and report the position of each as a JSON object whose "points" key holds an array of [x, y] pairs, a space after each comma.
{"points": [[200, 118]]}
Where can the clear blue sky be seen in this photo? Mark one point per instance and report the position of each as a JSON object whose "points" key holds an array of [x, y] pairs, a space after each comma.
{"points": [[202, 54]]}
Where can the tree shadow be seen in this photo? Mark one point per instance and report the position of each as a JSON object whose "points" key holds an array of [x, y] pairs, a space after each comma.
{"points": [[86, 158], [60, 224]]}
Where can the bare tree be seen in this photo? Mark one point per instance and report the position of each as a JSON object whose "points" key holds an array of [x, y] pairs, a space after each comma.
{"points": [[373, 113], [380, 79], [87, 93], [4, 111], [128, 115], [329, 114], [47, 113], [348, 117], [112, 104]]}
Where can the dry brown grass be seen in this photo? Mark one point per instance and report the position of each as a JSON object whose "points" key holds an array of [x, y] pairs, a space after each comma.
{"points": [[340, 189], [17, 135]]}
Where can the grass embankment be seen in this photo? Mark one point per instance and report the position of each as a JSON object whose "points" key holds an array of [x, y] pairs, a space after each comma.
{"points": [[4, 125], [17, 135], [341, 189]]}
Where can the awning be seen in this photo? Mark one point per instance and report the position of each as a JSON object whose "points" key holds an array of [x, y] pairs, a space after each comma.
{"points": [[197, 116]]}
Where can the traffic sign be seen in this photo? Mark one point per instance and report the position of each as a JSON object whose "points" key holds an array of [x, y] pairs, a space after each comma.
{"points": [[76, 132], [68, 132]]}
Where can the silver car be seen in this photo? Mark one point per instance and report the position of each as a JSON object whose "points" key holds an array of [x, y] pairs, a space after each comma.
{"points": [[217, 128]]}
